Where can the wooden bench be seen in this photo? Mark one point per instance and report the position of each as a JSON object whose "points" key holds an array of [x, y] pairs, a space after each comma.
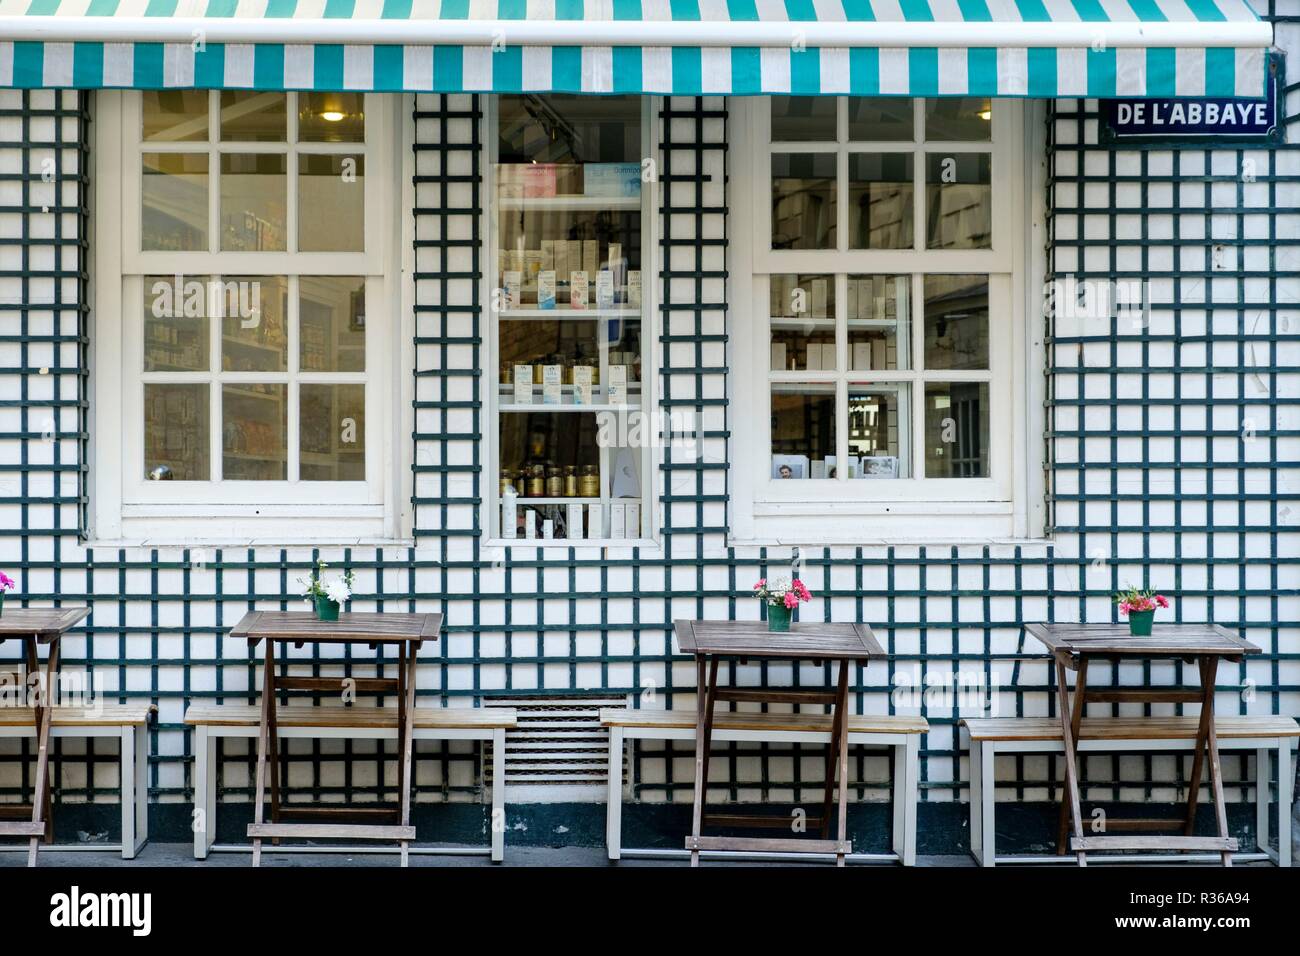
{"points": [[901, 733], [374, 723], [997, 735], [129, 724]]}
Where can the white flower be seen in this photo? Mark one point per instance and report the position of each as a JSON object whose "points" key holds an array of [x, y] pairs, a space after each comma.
{"points": [[338, 592], [304, 586]]}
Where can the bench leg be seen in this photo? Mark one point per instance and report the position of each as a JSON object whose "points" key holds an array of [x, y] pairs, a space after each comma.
{"points": [[899, 799], [976, 803], [126, 789], [988, 803], [498, 795], [1262, 798], [204, 822], [912, 798], [614, 798], [141, 787], [1285, 779]]}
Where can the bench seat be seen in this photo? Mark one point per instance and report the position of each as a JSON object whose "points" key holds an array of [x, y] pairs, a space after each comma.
{"points": [[901, 733], [129, 723], [211, 721], [1264, 734]]}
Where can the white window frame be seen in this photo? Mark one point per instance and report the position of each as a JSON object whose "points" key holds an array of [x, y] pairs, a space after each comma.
{"points": [[129, 508], [651, 453], [1008, 503]]}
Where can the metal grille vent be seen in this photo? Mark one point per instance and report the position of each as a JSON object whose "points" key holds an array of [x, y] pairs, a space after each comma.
{"points": [[559, 747]]}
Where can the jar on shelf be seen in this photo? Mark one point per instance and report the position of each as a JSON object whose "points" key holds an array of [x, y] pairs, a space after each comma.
{"points": [[537, 482], [507, 373], [589, 482], [554, 483], [507, 480], [571, 481]]}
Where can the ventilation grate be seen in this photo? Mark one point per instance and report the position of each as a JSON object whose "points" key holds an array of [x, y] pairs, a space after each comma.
{"points": [[558, 747]]}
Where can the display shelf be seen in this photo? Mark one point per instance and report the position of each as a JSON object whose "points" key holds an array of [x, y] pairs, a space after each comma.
{"points": [[539, 407], [566, 313], [569, 203]]}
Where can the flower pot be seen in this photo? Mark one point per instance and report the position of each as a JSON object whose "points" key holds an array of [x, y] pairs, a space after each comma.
{"points": [[2, 602], [778, 617], [1139, 623], [326, 610]]}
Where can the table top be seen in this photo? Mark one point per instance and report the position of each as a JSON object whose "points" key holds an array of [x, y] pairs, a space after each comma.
{"points": [[47, 623], [801, 642], [1166, 640], [352, 627]]}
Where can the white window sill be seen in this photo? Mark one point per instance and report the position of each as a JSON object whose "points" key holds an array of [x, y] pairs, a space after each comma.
{"points": [[554, 543], [193, 543]]}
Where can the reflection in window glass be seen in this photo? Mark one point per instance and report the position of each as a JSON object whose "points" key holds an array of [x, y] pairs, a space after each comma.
{"points": [[878, 429], [174, 194], [879, 119], [566, 129], [959, 200], [878, 320], [803, 119], [332, 432], [254, 432], [958, 119], [956, 322], [803, 323], [250, 117], [957, 430], [253, 202], [803, 201], [803, 431], [331, 118], [331, 203], [880, 200], [175, 116], [253, 329], [175, 324], [331, 324], [176, 432]]}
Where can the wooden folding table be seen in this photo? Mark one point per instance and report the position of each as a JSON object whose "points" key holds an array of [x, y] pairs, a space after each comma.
{"points": [[36, 626], [709, 642], [1072, 647], [377, 630]]}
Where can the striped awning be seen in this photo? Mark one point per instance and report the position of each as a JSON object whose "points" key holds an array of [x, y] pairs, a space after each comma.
{"points": [[1038, 48]]}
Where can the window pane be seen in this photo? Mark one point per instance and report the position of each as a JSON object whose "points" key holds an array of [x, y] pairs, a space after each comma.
{"points": [[957, 322], [961, 119], [254, 430], [539, 448], [879, 423], [331, 203], [248, 117], [879, 317], [803, 201], [174, 194], [956, 430], [254, 336], [803, 431], [959, 200], [802, 119], [879, 119], [803, 323], [574, 349], [176, 432], [175, 324], [880, 200], [175, 116], [332, 432], [332, 324], [331, 118], [253, 202]]}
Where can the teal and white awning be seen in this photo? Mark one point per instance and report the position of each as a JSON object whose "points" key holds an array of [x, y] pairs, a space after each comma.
{"points": [[1038, 48]]}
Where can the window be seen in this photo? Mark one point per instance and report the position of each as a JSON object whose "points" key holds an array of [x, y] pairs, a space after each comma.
{"points": [[887, 290], [250, 289], [570, 294]]}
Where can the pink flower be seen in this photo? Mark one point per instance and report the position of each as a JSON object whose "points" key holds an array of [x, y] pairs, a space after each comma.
{"points": [[791, 600], [6, 582], [804, 593], [1162, 600], [762, 583], [1125, 607]]}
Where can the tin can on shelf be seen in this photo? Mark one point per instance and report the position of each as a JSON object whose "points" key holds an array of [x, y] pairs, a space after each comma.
{"points": [[554, 483], [571, 481], [537, 482], [589, 482]]}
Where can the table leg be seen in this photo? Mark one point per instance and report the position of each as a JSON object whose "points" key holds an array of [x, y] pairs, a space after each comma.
{"points": [[1203, 728], [273, 763], [833, 752], [1071, 772], [842, 727], [44, 713], [1076, 721], [702, 700], [264, 736], [1209, 671], [406, 722]]}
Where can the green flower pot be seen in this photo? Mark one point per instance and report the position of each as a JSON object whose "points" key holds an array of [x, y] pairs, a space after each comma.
{"points": [[778, 617], [2, 602], [326, 610], [1139, 623]]}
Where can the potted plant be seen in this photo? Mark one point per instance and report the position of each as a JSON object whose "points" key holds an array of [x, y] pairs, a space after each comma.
{"points": [[781, 598], [6, 584], [327, 597], [1140, 609]]}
